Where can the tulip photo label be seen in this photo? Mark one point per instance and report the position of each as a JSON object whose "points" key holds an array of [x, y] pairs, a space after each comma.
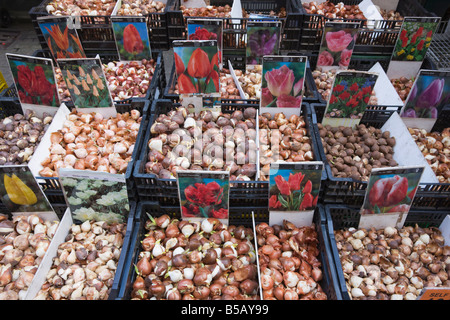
{"points": [[349, 98], [87, 85], [63, 41], [204, 194], [338, 41], [21, 193], [35, 83], [412, 45], [429, 94], [389, 195], [207, 29], [263, 39], [197, 67], [94, 195], [131, 36], [294, 190], [282, 84]]}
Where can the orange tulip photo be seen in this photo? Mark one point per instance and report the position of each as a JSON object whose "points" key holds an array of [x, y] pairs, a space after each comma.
{"points": [[197, 67], [132, 39], [63, 42]]}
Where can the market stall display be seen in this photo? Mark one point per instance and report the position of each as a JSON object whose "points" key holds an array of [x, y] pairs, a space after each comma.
{"points": [[25, 241], [387, 263], [302, 154]]}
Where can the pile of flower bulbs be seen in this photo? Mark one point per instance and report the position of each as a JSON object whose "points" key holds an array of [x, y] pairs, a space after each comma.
{"points": [[403, 86], [20, 135], [24, 241], [63, 91], [81, 7], [282, 138], [140, 7], [331, 10], [88, 141], [203, 141], [435, 147], [85, 264], [207, 260], [288, 260], [392, 263], [251, 82], [129, 80]]}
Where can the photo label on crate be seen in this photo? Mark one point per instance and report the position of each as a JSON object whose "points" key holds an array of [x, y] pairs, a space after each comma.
{"points": [[204, 194], [95, 195], [207, 29], [338, 41], [350, 95], [87, 85], [411, 46], [197, 69], [294, 191], [429, 94], [282, 84], [21, 193], [389, 195], [35, 82], [132, 39], [431, 293], [61, 37], [263, 39]]}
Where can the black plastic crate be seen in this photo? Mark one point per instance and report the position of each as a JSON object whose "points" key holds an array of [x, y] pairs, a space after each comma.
{"points": [[439, 50], [96, 31], [51, 186], [242, 193], [158, 79], [378, 40], [352, 192], [341, 217], [443, 121], [114, 291], [238, 216], [234, 30], [311, 93]]}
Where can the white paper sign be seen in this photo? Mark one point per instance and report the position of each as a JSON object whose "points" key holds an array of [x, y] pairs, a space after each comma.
{"points": [[384, 90], [406, 152], [236, 81]]}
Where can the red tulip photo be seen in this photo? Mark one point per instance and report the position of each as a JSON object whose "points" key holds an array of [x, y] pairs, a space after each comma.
{"points": [[132, 41], [35, 83], [391, 192], [298, 193], [197, 69], [208, 198]]}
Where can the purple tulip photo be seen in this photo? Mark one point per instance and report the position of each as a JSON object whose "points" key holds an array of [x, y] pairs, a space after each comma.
{"points": [[428, 94]]}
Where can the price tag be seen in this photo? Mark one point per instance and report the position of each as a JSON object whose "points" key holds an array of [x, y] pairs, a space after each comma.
{"points": [[435, 294]]}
